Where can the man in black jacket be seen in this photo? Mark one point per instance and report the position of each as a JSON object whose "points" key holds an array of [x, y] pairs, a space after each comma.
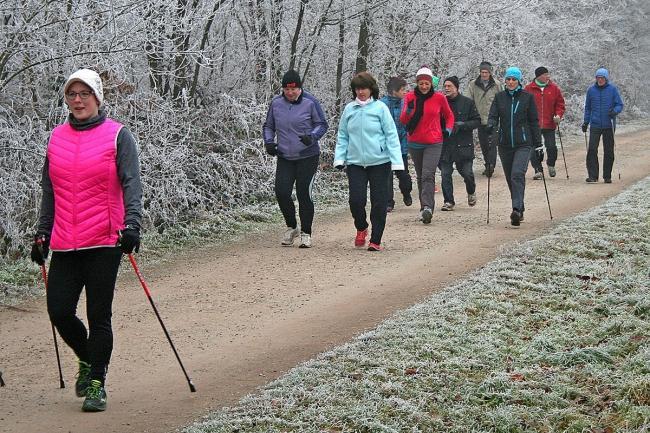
{"points": [[514, 112], [458, 148]]}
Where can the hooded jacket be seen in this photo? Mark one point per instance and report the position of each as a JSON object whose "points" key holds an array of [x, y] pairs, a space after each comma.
{"points": [[459, 146], [367, 136], [483, 96], [395, 106], [549, 102], [600, 104], [516, 117], [290, 121]]}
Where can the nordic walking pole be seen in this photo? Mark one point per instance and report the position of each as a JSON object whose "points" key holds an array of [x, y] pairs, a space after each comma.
{"points": [[155, 310], [56, 344], [559, 134], [547, 200], [488, 210], [2, 382]]}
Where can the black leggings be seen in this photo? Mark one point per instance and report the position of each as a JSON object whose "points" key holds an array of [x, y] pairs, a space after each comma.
{"points": [[300, 172], [358, 180], [96, 270]]}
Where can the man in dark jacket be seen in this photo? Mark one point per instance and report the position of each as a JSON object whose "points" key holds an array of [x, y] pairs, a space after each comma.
{"points": [[550, 108], [602, 106], [515, 114], [458, 148]]}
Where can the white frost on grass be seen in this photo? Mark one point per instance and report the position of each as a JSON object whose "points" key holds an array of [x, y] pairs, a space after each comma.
{"points": [[552, 336]]}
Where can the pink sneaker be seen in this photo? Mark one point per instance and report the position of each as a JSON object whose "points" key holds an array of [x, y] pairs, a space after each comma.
{"points": [[360, 239], [375, 247]]}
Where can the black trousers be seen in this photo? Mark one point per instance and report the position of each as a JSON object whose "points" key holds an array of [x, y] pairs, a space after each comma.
{"points": [[515, 163], [95, 270], [488, 146], [358, 179], [537, 157], [404, 179], [300, 172], [608, 152]]}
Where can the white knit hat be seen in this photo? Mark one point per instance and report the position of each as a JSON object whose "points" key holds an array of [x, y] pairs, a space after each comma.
{"points": [[91, 79], [423, 73]]}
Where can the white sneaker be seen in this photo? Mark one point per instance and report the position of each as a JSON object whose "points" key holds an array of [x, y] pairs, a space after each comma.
{"points": [[305, 240], [471, 199], [538, 175], [289, 236], [447, 206]]}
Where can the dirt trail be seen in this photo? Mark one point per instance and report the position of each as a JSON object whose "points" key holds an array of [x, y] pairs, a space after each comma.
{"points": [[242, 315]]}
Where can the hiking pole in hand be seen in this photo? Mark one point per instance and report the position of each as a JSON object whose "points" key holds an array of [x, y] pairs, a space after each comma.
{"points": [[559, 134], [2, 382], [155, 310], [488, 198], [56, 344], [547, 200]]}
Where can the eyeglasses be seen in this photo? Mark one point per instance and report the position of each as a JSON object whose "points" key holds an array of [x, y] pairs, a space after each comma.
{"points": [[511, 79], [84, 94]]}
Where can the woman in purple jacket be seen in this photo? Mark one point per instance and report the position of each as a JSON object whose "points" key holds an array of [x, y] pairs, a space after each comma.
{"points": [[294, 124]]}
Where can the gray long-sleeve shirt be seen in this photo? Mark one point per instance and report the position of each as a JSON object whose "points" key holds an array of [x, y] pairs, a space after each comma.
{"points": [[128, 171]]}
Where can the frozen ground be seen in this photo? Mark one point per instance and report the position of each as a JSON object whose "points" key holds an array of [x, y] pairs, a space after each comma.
{"points": [[553, 335]]}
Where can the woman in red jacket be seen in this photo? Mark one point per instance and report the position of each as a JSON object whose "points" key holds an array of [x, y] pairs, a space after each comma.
{"points": [[424, 108]]}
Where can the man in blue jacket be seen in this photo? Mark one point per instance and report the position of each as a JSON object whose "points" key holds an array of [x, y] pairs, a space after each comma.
{"points": [[297, 120], [602, 106]]}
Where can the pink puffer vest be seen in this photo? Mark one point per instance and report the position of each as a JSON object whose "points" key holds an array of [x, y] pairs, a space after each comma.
{"points": [[88, 201]]}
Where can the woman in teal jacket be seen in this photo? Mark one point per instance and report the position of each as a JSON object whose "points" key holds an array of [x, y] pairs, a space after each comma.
{"points": [[368, 146]]}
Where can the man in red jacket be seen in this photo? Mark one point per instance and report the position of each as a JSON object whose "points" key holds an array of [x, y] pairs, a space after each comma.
{"points": [[550, 109]]}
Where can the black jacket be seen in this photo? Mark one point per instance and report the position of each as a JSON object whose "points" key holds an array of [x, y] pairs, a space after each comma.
{"points": [[516, 117], [459, 146]]}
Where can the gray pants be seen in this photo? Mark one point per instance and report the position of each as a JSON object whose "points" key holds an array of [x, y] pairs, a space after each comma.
{"points": [[425, 162], [515, 163]]}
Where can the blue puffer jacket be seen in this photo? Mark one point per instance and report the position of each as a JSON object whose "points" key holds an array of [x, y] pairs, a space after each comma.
{"points": [[601, 104], [290, 121], [395, 107], [367, 136]]}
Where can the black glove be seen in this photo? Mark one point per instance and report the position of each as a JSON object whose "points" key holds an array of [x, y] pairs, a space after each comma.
{"points": [[585, 126], [446, 132], [339, 167], [612, 113], [40, 249], [459, 125], [306, 140], [411, 105], [489, 130], [271, 148], [129, 240]]}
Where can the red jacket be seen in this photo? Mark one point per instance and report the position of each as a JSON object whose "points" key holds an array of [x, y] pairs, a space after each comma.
{"points": [[549, 102], [429, 130]]}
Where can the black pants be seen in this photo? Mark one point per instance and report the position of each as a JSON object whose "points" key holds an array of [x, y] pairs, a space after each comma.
{"points": [[515, 163], [358, 179], [537, 157], [404, 179], [488, 146], [300, 172], [96, 270], [465, 169], [608, 152]]}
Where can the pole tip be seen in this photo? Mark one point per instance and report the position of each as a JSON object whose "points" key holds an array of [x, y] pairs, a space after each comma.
{"points": [[192, 388]]}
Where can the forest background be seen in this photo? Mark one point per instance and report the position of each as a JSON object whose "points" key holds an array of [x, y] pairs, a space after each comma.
{"points": [[192, 80]]}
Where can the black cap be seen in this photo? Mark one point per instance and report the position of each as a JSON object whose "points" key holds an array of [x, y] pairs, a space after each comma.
{"points": [[453, 80], [540, 71], [291, 79]]}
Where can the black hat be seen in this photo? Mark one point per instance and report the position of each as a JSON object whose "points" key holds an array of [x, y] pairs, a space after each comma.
{"points": [[487, 66], [291, 79], [540, 71], [453, 80]]}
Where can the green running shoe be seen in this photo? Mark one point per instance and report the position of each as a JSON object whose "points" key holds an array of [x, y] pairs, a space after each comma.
{"points": [[95, 397], [83, 379]]}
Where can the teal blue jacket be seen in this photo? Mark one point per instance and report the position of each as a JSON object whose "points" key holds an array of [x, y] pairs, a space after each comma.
{"points": [[368, 136]]}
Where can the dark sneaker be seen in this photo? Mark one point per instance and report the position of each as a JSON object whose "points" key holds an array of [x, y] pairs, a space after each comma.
{"points": [[375, 247], [389, 209], [408, 200], [551, 171], [489, 171], [448, 206], [515, 217], [95, 398], [83, 379], [427, 215], [521, 217], [608, 181], [538, 175], [591, 180], [471, 199]]}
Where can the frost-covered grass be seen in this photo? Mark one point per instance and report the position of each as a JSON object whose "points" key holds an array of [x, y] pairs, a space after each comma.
{"points": [[552, 336]]}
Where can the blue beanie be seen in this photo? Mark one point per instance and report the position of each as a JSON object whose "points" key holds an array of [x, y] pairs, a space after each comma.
{"points": [[602, 72], [514, 73]]}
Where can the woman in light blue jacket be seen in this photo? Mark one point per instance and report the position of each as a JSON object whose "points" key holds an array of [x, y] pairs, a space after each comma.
{"points": [[368, 146]]}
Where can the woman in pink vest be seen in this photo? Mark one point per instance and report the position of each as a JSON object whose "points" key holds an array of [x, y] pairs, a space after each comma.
{"points": [[92, 201]]}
